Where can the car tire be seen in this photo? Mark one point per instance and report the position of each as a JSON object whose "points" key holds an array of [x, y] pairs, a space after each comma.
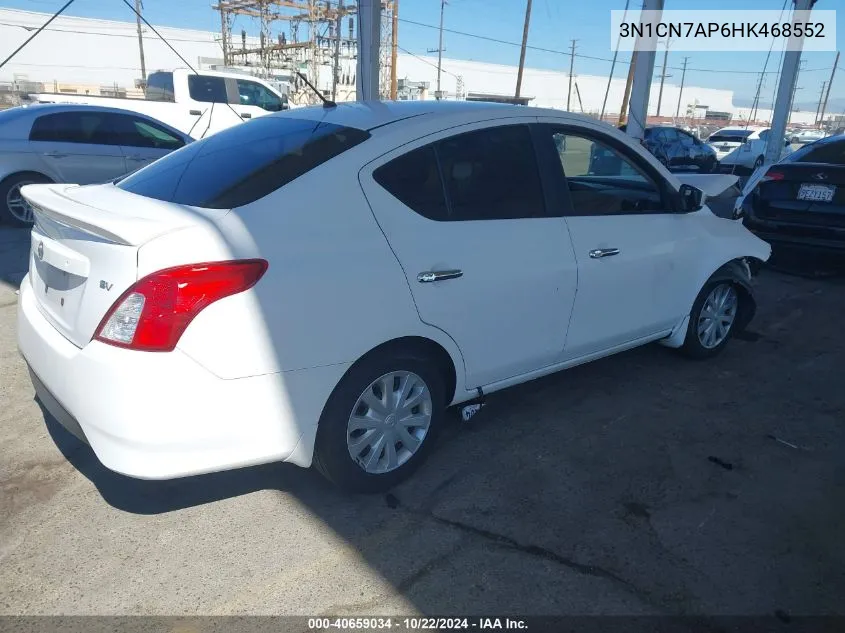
{"points": [[336, 441], [708, 331], [10, 213]]}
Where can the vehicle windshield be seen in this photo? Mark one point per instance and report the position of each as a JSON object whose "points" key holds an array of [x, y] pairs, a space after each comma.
{"points": [[730, 136], [244, 163]]}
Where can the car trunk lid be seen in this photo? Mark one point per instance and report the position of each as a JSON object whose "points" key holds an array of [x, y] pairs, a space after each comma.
{"points": [[787, 191], [84, 249]]}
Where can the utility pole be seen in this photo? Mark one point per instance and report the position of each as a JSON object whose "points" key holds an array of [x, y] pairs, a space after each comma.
{"points": [[571, 71], [786, 84], [662, 77], [224, 36], [522, 50], [819, 107], [681, 93], [138, 6], [337, 28], [626, 96], [829, 84], [613, 64], [393, 50], [439, 95]]}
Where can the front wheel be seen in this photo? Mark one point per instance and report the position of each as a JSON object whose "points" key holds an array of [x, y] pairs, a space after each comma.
{"points": [[712, 320], [381, 421]]}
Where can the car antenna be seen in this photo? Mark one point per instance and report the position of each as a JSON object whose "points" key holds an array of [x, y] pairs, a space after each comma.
{"points": [[327, 103]]}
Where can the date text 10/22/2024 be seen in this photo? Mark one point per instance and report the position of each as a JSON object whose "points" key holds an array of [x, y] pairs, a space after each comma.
{"points": [[416, 624]]}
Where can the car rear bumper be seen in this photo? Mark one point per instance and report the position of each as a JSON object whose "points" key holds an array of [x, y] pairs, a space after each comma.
{"points": [[784, 236], [162, 415]]}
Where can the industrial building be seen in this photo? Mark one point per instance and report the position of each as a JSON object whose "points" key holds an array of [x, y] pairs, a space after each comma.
{"points": [[93, 56]]}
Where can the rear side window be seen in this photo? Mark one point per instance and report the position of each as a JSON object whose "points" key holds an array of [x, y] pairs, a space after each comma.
{"points": [[160, 87], [243, 163], [207, 89], [137, 132], [74, 127], [489, 174], [414, 179], [831, 152]]}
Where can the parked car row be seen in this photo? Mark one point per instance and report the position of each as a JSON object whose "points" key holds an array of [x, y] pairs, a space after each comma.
{"points": [[458, 248], [74, 144]]}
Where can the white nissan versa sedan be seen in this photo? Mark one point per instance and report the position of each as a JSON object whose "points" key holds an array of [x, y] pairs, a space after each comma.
{"points": [[317, 286]]}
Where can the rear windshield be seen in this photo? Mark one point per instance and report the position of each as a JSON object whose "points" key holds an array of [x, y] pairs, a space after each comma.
{"points": [[244, 163], [730, 136], [826, 151]]}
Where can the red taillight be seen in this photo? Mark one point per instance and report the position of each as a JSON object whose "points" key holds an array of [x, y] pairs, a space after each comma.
{"points": [[154, 312], [773, 175]]}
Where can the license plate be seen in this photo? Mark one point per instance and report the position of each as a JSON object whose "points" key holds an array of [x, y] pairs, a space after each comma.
{"points": [[816, 193]]}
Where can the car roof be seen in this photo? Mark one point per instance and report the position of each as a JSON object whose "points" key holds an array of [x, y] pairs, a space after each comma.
{"points": [[368, 115]]}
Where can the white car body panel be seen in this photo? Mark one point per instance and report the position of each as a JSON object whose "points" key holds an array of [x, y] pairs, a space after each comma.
{"points": [[250, 376]]}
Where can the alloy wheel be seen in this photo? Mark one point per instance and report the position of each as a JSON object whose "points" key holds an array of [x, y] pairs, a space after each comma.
{"points": [[18, 207], [717, 315], [389, 422]]}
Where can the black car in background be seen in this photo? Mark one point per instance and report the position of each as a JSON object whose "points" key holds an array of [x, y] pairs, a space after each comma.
{"points": [[801, 199], [677, 149]]}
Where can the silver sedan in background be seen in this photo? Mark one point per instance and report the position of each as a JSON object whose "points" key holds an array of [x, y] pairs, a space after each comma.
{"points": [[79, 144]]}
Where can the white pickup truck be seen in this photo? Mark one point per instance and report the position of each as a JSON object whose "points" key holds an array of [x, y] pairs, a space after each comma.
{"points": [[197, 104]]}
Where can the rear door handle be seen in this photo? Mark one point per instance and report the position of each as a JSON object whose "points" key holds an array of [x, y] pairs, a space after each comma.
{"points": [[598, 253], [438, 275], [55, 154], [246, 115], [137, 157], [195, 112]]}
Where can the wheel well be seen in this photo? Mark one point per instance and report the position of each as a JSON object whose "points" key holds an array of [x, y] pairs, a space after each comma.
{"points": [[431, 350], [27, 172], [738, 272]]}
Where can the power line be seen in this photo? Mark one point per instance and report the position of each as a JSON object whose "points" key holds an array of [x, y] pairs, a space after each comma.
{"points": [[601, 59]]}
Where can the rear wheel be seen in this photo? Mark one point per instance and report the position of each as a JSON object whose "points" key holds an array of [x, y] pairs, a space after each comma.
{"points": [[380, 422], [712, 319], [13, 208]]}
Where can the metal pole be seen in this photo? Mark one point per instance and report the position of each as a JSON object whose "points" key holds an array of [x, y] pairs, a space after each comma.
{"points": [[681, 93], [571, 71], [613, 64], [819, 107], [786, 88], [662, 77], [829, 84], [643, 74], [394, 50], [522, 50], [338, 27], [224, 32], [438, 94], [369, 36], [138, 6], [623, 110]]}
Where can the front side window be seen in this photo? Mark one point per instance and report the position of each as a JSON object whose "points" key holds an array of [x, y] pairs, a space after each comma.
{"points": [[243, 163], [604, 181], [137, 132], [207, 89], [73, 127], [251, 93]]}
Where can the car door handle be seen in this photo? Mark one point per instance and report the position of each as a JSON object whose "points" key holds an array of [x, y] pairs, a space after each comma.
{"points": [[55, 154], [195, 112], [246, 115], [137, 157], [598, 253], [438, 275]]}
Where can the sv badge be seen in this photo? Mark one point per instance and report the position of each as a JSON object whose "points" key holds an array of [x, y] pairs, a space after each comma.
{"points": [[105, 285]]}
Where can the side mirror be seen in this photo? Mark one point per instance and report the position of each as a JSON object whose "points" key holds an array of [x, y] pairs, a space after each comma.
{"points": [[691, 198]]}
